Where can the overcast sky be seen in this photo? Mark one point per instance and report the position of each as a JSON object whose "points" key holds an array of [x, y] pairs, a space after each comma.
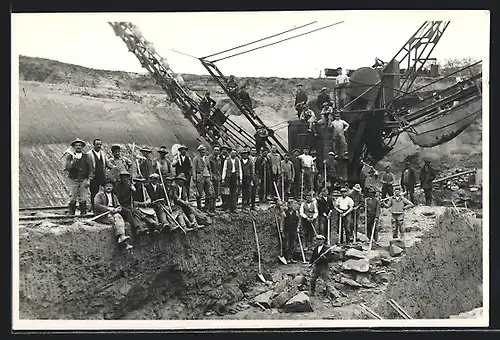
{"points": [[88, 40]]}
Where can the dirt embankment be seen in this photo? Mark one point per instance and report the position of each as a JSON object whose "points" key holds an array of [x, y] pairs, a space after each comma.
{"points": [[76, 272]]}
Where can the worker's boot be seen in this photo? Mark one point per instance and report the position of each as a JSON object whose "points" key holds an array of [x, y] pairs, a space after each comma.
{"points": [[211, 207], [194, 223], [72, 208], [83, 208], [198, 202]]}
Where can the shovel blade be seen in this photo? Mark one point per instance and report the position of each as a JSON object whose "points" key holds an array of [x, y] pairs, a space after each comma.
{"points": [[282, 259], [261, 278]]}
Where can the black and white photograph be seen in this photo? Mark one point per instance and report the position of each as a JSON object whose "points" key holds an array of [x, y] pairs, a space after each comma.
{"points": [[223, 170]]}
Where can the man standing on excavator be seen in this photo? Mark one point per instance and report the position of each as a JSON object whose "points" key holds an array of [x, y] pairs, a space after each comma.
{"points": [[323, 97], [340, 127], [300, 99]]}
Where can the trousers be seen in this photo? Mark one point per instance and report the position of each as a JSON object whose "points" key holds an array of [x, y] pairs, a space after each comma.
{"points": [[319, 271], [77, 191], [397, 225], [116, 220], [369, 226]]}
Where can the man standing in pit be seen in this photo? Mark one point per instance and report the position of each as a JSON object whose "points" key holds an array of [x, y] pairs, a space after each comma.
{"points": [[288, 173], [165, 169], [78, 167], [357, 198], [307, 167], [308, 216], [344, 206], [321, 266], [202, 175], [232, 175], [263, 174], [373, 206], [106, 201], [216, 166], [408, 181], [387, 182], [331, 170], [119, 163], [146, 164], [427, 176], [325, 208], [300, 100], [275, 166], [99, 162], [248, 171], [339, 127], [397, 203], [183, 165], [290, 229]]}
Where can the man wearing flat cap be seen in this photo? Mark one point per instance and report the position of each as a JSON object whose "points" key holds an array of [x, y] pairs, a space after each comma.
{"points": [[232, 174], [146, 164], [300, 99], [247, 168], [119, 163], [331, 170], [427, 176], [344, 206], [321, 257], [288, 173], [163, 165], [297, 164], [323, 97], [216, 162], [202, 175], [182, 164], [79, 172]]}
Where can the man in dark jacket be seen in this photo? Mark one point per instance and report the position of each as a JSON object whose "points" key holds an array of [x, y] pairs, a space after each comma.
{"points": [[427, 176], [146, 164], [183, 165], [207, 103], [247, 167], [290, 229], [322, 256], [408, 181], [245, 99], [99, 162], [331, 170], [261, 136], [300, 99], [216, 162], [325, 209], [297, 170], [262, 170], [79, 173], [157, 194], [323, 97], [202, 175]]}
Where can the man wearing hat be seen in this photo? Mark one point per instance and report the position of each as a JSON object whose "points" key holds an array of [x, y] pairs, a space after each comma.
{"points": [[331, 169], [263, 174], [308, 217], [307, 167], [261, 136], [294, 158], [325, 209], [300, 99], [146, 164], [291, 217], [202, 175], [344, 206], [232, 175], [216, 162], [232, 85], [326, 112], [99, 162], [79, 173], [206, 104], [164, 163], [373, 206], [339, 127], [179, 198], [323, 97], [427, 176], [397, 203], [124, 192], [358, 199], [118, 162], [253, 154], [247, 169], [274, 159], [288, 173], [408, 181], [158, 201], [106, 201], [323, 257], [245, 99], [143, 203], [388, 179], [183, 165]]}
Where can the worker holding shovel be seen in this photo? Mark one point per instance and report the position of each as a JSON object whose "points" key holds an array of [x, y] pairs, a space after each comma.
{"points": [[290, 228], [320, 259], [309, 216], [344, 206], [373, 207]]}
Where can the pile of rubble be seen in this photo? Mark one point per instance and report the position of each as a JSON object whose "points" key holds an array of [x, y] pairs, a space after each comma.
{"points": [[353, 268]]}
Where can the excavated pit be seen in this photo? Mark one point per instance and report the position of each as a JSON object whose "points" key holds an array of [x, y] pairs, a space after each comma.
{"points": [[77, 272]]}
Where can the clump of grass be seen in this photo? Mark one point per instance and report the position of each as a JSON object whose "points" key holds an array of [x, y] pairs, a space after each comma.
{"points": [[442, 274]]}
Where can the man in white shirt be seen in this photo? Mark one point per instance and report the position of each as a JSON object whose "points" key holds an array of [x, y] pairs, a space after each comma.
{"points": [[308, 217], [307, 162], [344, 206], [232, 175], [340, 127]]}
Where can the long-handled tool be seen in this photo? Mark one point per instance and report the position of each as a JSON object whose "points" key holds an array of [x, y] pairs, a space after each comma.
{"points": [[366, 219], [324, 166], [173, 219], [301, 249], [302, 185], [340, 228], [322, 255], [98, 216], [371, 236], [283, 186], [259, 274], [398, 309], [328, 226], [280, 256], [355, 224], [265, 182]]}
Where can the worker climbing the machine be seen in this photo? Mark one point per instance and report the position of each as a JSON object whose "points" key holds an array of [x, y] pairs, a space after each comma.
{"points": [[206, 105], [308, 219], [339, 127], [397, 203], [232, 85], [246, 100], [300, 100], [326, 112]]}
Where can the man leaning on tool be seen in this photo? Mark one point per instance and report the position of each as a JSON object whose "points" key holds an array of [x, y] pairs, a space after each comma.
{"points": [[308, 217], [232, 175], [373, 206], [202, 175], [79, 171], [397, 203], [344, 205], [247, 169], [321, 267], [99, 162], [290, 228]]}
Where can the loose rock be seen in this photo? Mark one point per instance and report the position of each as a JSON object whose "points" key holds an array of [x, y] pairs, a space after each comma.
{"points": [[280, 287], [361, 266], [350, 282], [399, 243], [395, 250], [280, 300], [354, 254], [298, 280], [362, 237], [298, 303], [264, 299]]}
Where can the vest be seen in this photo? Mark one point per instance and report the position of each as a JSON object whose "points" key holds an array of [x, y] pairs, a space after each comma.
{"points": [[397, 206], [229, 169], [309, 209], [81, 168], [99, 165], [247, 168]]}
